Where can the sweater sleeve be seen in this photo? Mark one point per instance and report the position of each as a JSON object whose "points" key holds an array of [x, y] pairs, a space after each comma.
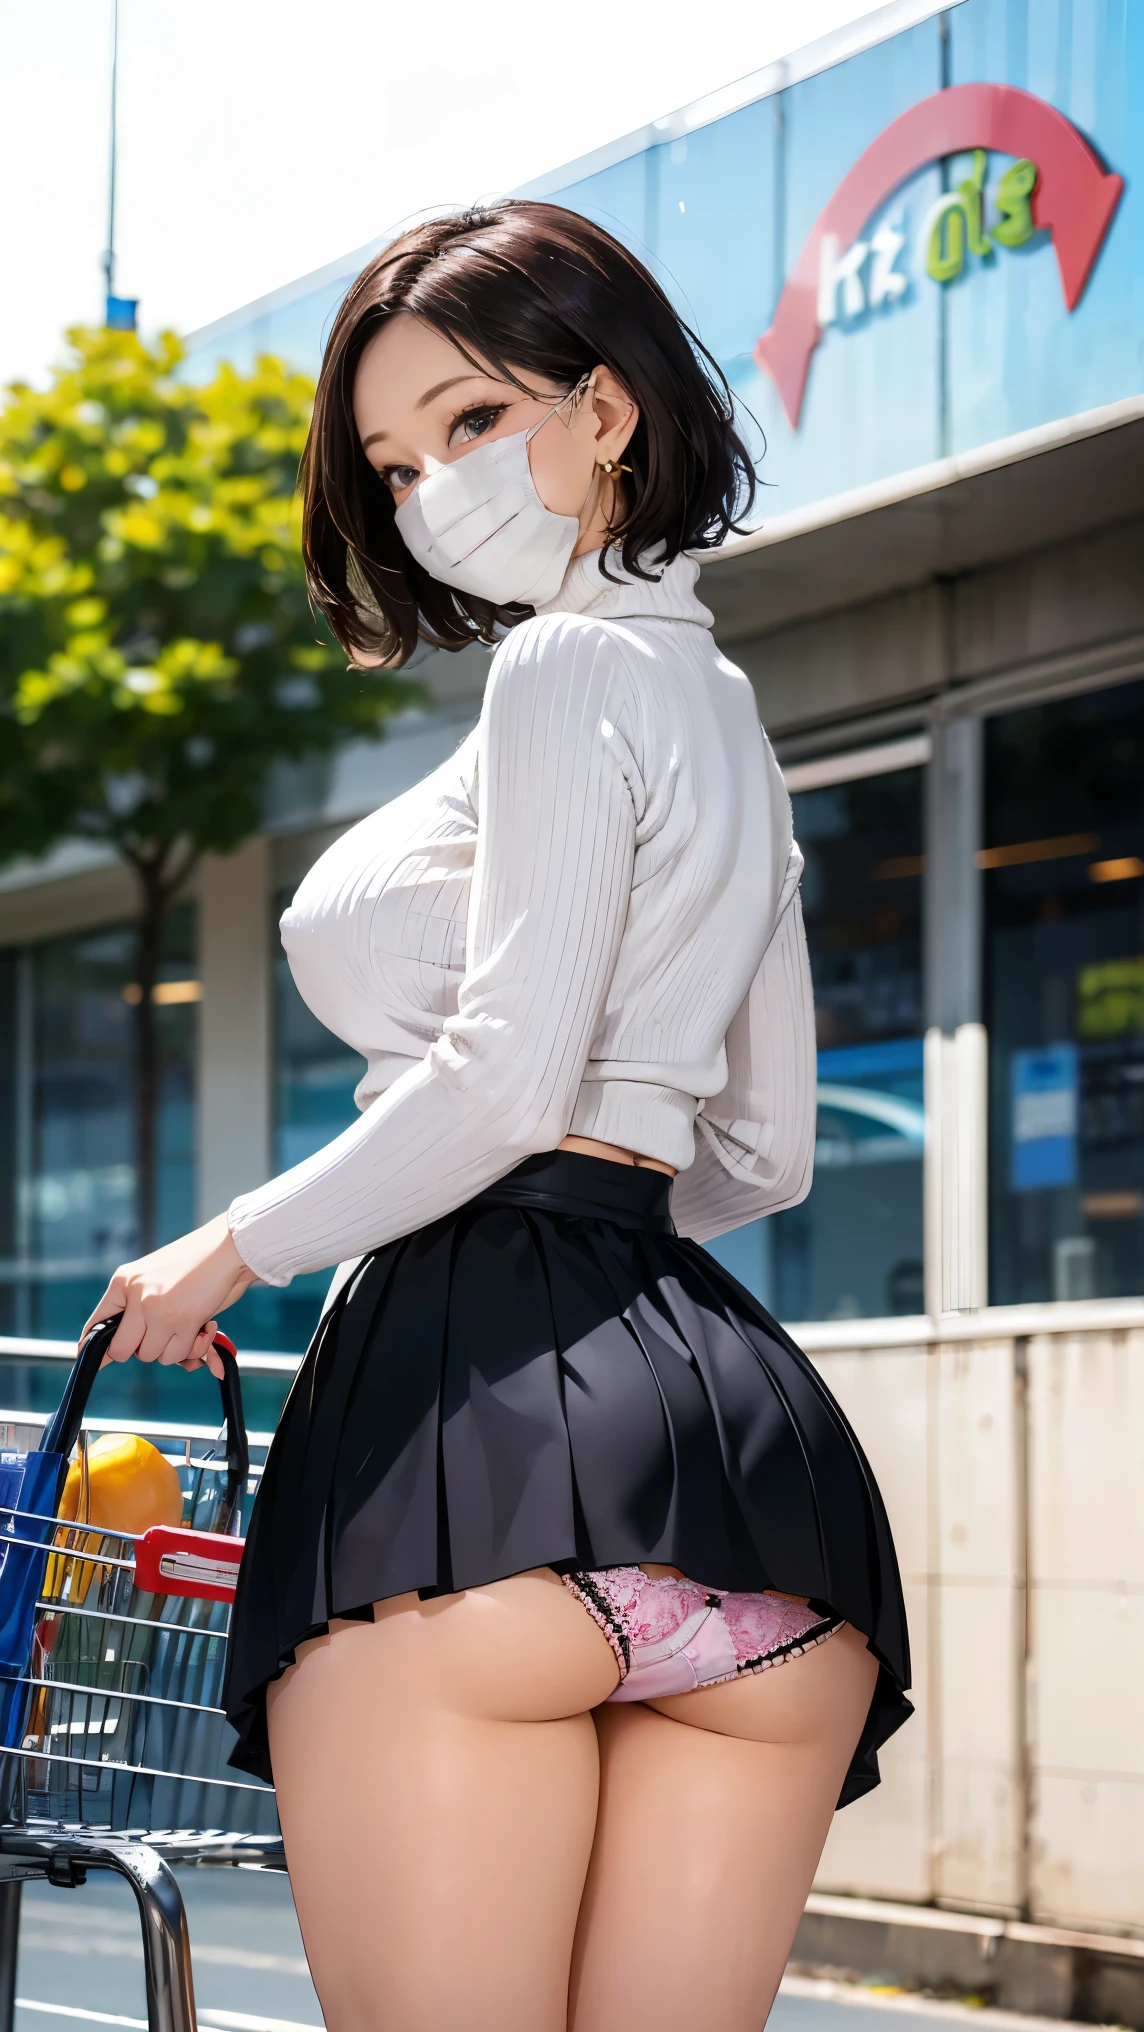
{"points": [[551, 883], [754, 1142]]}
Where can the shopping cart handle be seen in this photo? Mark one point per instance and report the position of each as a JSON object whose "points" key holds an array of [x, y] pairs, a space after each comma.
{"points": [[171, 1561], [237, 1444], [63, 1428]]}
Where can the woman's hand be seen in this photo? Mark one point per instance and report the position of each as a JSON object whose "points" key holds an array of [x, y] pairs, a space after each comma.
{"points": [[169, 1298]]}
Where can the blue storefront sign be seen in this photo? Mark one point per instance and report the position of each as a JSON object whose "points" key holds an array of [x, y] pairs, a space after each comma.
{"points": [[1044, 1117], [932, 245], [874, 257]]}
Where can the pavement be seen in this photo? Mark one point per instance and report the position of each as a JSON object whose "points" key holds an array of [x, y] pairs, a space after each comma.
{"points": [[81, 1958], [81, 1966]]}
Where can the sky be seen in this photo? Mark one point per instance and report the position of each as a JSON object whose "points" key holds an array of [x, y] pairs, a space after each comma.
{"points": [[260, 139]]}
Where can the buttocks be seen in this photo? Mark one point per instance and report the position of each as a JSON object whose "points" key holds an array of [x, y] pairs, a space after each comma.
{"points": [[375, 935]]}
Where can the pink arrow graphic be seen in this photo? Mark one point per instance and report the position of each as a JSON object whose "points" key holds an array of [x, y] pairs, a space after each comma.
{"points": [[1074, 197]]}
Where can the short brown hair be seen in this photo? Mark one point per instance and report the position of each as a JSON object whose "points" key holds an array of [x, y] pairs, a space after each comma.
{"points": [[531, 289]]}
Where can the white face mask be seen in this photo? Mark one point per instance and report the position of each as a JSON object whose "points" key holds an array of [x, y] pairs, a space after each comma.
{"points": [[480, 525]]}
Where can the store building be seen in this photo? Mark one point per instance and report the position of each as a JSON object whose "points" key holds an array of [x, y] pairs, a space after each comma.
{"points": [[917, 250]]}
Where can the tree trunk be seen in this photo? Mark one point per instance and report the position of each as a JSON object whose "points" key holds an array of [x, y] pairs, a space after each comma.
{"points": [[149, 931]]}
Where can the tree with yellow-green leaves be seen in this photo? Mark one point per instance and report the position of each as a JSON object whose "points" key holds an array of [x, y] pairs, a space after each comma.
{"points": [[157, 650]]}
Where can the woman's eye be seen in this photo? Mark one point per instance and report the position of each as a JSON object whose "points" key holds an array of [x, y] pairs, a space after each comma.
{"points": [[475, 422], [397, 478]]}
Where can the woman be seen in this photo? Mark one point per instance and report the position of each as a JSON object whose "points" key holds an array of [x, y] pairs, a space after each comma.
{"points": [[552, 1494]]}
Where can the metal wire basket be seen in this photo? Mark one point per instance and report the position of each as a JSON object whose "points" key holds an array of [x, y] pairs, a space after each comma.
{"points": [[123, 1728], [113, 1743]]}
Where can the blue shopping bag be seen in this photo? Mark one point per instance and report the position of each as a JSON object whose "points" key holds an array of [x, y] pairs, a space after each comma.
{"points": [[31, 1485]]}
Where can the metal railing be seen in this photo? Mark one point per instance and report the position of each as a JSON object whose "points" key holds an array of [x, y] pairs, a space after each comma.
{"points": [[17, 1347]]}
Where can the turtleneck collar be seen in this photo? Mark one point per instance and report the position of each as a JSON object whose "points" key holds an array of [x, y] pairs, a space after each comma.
{"points": [[671, 597]]}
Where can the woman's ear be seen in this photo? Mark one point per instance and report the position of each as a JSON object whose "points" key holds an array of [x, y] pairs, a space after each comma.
{"points": [[616, 415]]}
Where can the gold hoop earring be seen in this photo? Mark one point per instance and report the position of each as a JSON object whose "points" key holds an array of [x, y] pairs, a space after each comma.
{"points": [[611, 466]]}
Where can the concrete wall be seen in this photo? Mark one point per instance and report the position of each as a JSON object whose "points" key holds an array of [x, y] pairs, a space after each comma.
{"points": [[1020, 621], [1008, 1450], [1086, 1626], [235, 1026]]}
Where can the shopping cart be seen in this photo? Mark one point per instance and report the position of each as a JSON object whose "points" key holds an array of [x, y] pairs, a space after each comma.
{"points": [[113, 1746]]}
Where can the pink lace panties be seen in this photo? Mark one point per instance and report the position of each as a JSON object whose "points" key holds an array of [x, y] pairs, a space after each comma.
{"points": [[672, 1636]]}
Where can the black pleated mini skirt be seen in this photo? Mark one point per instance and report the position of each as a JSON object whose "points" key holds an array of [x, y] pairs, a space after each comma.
{"points": [[550, 1376]]}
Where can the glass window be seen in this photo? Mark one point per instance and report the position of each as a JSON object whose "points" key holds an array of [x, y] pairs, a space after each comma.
{"points": [[78, 1206], [68, 1209], [853, 1249], [1064, 912], [11, 1321]]}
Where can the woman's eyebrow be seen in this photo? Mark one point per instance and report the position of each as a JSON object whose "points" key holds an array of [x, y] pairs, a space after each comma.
{"points": [[439, 387], [422, 401]]}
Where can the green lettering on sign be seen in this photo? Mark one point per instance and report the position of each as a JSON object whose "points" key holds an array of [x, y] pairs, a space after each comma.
{"points": [[945, 246], [955, 225], [969, 192], [1013, 194]]}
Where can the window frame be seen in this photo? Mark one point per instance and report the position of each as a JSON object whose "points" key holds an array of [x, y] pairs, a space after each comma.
{"points": [[908, 749]]}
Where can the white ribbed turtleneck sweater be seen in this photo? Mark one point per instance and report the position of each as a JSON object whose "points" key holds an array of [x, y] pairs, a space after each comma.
{"points": [[585, 922]]}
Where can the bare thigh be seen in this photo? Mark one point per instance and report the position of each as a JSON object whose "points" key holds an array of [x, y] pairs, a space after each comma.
{"points": [[437, 1774], [714, 1807]]}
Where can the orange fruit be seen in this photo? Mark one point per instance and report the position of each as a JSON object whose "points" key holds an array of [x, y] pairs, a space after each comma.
{"points": [[131, 1486]]}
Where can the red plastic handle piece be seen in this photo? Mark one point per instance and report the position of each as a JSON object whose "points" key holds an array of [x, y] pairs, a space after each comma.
{"points": [[171, 1561]]}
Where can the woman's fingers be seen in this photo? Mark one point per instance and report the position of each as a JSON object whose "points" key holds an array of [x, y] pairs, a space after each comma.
{"points": [[113, 1301], [199, 1350], [203, 1352], [213, 1355], [151, 1329], [129, 1334], [153, 1339], [164, 1297], [190, 1350], [166, 1340]]}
